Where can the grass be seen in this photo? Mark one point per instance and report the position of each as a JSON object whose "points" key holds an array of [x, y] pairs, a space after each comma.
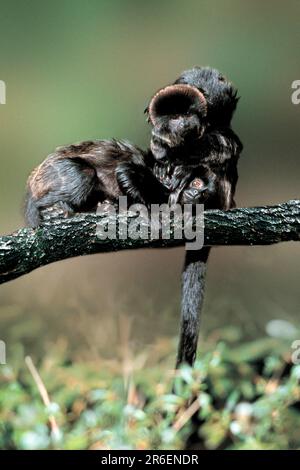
{"points": [[238, 396]]}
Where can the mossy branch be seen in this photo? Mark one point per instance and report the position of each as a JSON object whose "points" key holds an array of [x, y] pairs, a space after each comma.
{"points": [[60, 238]]}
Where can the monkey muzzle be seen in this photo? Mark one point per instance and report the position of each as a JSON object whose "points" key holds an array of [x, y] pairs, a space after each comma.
{"points": [[177, 112]]}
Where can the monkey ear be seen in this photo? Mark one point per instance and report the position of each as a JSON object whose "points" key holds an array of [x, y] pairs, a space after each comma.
{"points": [[146, 111]]}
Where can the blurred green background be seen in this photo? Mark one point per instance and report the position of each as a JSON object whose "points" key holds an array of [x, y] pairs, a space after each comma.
{"points": [[78, 70]]}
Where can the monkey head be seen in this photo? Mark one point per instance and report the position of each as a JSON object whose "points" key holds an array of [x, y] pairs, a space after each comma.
{"points": [[177, 113], [180, 113]]}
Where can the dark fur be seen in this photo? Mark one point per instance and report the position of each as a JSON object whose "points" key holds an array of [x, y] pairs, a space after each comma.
{"points": [[210, 150], [192, 158], [77, 177], [196, 159]]}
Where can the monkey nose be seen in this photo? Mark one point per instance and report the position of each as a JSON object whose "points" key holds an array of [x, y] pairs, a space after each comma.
{"points": [[177, 124]]}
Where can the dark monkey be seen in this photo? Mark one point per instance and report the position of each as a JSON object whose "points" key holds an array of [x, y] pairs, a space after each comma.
{"points": [[196, 155], [192, 159], [75, 178]]}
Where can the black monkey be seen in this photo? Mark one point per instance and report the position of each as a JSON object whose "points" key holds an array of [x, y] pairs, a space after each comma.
{"points": [[196, 155], [192, 158], [191, 136], [75, 178]]}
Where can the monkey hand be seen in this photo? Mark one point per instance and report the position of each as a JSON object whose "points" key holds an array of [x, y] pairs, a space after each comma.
{"points": [[182, 174]]}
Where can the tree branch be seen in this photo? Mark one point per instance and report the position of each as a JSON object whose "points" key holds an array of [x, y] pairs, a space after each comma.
{"points": [[58, 239]]}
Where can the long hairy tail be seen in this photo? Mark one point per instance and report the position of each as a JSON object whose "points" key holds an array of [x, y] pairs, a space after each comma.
{"points": [[193, 284]]}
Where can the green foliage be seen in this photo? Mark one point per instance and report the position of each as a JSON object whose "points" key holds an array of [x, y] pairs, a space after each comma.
{"points": [[237, 396]]}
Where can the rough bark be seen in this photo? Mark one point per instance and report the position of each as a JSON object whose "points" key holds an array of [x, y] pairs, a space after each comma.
{"points": [[58, 239]]}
